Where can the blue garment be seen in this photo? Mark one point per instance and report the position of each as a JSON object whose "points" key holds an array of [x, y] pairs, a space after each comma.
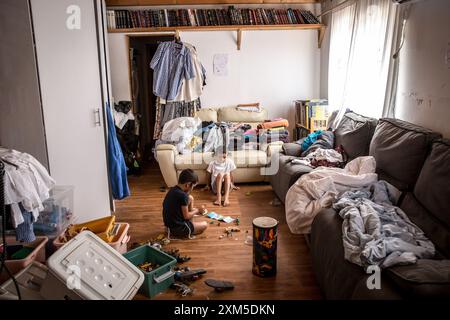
{"points": [[116, 162], [24, 231], [310, 139], [172, 64]]}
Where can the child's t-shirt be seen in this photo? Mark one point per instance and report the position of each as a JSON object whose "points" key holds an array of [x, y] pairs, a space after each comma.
{"points": [[215, 167], [172, 214]]}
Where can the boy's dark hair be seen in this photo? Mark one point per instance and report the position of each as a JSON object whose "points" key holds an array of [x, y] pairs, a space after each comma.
{"points": [[188, 175]]}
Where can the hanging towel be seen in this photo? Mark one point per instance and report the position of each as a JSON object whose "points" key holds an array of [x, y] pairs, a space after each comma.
{"points": [[116, 162]]}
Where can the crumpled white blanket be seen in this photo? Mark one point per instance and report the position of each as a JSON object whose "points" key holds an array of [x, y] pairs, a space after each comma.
{"points": [[376, 232], [180, 131], [319, 188], [330, 155]]}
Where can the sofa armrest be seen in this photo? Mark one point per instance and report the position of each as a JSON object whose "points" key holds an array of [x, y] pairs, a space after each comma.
{"points": [[292, 149], [166, 146], [274, 147], [165, 154]]}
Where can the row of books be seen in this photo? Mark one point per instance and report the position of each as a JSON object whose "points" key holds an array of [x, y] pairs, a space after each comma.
{"points": [[127, 19], [312, 114]]}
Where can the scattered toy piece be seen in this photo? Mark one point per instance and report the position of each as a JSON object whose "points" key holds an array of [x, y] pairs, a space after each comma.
{"points": [[237, 221], [219, 285], [211, 222], [182, 289], [248, 193], [189, 275], [176, 254], [148, 266]]}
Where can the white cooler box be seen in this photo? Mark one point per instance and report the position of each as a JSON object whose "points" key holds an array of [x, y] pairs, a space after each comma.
{"points": [[85, 268]]}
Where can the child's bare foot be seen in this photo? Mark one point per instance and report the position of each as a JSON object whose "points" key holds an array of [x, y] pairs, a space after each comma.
{"points": [[226, 203], [217, 202], [234, 187], [205, 188]]}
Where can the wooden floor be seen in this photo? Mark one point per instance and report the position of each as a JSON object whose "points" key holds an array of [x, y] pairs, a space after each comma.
{"points": [[227, 258]]}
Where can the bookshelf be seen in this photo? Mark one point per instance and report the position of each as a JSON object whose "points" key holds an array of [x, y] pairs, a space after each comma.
{"points": [[239, 20], [125, 3]]}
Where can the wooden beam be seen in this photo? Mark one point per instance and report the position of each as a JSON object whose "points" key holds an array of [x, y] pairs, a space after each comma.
{"points": [[321, 36], [239, 39], [222, 28]]}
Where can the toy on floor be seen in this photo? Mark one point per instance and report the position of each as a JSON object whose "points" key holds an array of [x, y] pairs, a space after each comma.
{"points": [[219, 285]]}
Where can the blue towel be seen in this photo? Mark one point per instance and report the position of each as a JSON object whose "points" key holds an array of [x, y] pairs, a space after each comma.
{"points": [[310, 139], [116, 162]]}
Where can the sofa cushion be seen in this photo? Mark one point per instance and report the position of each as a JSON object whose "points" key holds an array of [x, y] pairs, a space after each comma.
{"points": [[232, 114], [400, 148], [194, 160], [292, 149], [434, 229], [425, 279], [354, 133], [336, 276], [249, 158], [433, 185], [207, 114]]}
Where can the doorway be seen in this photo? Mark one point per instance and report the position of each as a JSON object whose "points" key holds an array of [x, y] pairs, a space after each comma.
{"points": [[141, 49]]}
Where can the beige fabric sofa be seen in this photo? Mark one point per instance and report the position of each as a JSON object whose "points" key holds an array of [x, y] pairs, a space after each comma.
{"points": [[252, 165]]}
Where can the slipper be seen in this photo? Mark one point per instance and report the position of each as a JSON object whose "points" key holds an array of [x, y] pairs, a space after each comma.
{"points": [[219, 285]]}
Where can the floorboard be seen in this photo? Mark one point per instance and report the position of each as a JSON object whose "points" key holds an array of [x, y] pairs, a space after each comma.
{"points": [[227, 258]]}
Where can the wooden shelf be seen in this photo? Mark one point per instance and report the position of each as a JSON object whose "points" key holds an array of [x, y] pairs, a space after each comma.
{"points": [[126, 3], [238, 28]]}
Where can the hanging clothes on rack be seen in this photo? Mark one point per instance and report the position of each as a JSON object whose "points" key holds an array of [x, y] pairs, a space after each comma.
{"points": [[178, 81], [172, 110], [27, 185]]}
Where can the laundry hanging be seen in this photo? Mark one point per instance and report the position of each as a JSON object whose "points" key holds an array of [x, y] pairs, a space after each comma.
{"points": [[116, 162], [27, 185], [178, 81]]}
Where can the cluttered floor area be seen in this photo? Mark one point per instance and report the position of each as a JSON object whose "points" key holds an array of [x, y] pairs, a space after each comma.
{"points": [[223, 256]]}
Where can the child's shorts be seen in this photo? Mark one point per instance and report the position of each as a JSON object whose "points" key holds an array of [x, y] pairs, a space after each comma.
{"points": [[182, 230]]}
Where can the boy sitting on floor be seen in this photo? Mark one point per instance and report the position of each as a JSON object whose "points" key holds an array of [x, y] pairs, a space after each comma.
{"points": [[178, 207]]}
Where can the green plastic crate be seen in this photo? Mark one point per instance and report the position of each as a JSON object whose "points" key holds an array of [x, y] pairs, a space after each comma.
{"points": [[158, 279]]}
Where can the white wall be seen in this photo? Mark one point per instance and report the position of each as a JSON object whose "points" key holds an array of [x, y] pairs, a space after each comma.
{"points": [[423, 95], [273, 67]]}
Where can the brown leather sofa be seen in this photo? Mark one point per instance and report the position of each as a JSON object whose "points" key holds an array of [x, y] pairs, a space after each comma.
{"points": [[417, 162]]}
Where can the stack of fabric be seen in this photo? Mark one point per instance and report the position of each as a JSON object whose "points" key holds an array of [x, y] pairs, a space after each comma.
{"points": [[178, 81], [274, 130], [27, 185]]}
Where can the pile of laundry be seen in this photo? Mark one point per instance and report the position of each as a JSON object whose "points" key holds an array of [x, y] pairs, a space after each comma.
{"points": [[27, 185], [376, 232], [190, 134], [318, 189], [317, 151]]}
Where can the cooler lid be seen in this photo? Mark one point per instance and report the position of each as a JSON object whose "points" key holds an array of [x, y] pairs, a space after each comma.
{"points": [[94, 270]]}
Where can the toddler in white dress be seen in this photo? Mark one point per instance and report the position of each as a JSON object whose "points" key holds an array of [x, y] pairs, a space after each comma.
{"points": [[221, 179]]}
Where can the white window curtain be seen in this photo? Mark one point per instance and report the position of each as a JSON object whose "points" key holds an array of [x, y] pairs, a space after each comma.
{"points": [[360, 54]]}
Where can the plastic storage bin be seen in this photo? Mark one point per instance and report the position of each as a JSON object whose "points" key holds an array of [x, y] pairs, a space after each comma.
{"points": [[38, 254], [29, 280], [101, 227], [90, 269], [57, 213], [119, 241], [158, 279]]}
